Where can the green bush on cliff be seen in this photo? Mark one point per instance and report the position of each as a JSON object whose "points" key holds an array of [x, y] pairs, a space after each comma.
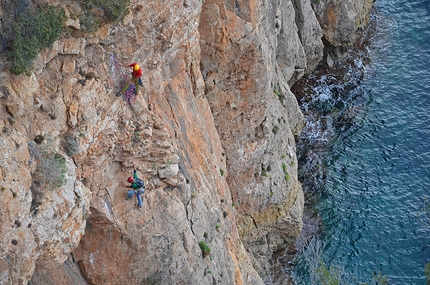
{"points": [[115, 9], [70, 144], [276, 91], [217, 226], [98, 11], [154, 279], [89, 22], [51, 170], [33, 31], [205, 248]]}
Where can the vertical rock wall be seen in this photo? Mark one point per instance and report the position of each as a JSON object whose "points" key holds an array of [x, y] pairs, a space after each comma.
{"points": [[211, 133], [250, 52]]}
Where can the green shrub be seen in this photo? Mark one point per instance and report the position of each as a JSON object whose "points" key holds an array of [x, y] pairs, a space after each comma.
{"points": [[287, 176], [205, 248], [276, 91], [116, 10], [221, 172], [34, 31], [113, 11], [284, 167], [51, 170], [136, 138], [70, 144], [89, 22], [154, 279]]}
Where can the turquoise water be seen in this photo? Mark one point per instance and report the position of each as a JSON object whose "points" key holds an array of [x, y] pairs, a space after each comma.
{"points": [[365, 150]]}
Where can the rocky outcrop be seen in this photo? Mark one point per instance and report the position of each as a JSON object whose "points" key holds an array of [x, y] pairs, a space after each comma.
{"points": [[211, 133], [342, 22]]}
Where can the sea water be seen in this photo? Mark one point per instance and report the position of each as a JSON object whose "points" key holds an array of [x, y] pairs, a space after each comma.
{"points": [[365, 151]]}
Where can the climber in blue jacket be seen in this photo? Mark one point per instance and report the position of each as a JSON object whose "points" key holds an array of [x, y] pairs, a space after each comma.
{"points": [[137, 186]]}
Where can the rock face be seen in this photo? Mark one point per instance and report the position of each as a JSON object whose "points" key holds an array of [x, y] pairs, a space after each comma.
{"points": [[249, 54], [211, 133], [342, 22]]}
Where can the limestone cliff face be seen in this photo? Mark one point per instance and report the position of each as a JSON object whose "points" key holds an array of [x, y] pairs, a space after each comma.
{"points": [[211, 133], [250, 51], [342, 22]]}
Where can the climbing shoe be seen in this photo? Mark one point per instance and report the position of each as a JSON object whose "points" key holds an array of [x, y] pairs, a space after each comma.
{"points": [[118, 94]]}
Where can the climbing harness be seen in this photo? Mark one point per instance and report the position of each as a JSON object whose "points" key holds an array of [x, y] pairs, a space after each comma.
{"points": [[138, 192]]}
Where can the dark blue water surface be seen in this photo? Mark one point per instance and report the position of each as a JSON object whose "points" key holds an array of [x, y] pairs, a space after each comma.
{"points": [[365, 154]]}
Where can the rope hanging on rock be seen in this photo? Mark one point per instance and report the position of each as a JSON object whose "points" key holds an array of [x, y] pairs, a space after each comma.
{"points": [[120, 75]]}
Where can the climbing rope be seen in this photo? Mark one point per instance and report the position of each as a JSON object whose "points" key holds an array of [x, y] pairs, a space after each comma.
{"points": [[128, 95], [120, 77]]}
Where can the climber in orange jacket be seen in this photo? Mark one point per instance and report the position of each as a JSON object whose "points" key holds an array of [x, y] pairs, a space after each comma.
{"points": [[135, 77]]}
